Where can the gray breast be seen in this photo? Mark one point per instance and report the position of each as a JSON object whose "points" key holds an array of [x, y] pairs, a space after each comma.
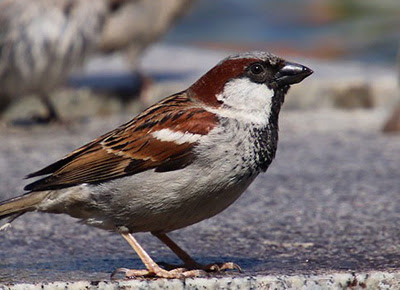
{"points": [[248, 148]]}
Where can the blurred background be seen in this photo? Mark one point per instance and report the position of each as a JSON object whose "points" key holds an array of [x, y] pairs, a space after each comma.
{"points": [[366, 31], [147, 50]]}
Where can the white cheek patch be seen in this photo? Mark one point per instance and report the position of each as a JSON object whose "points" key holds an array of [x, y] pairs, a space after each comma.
{"points": [[246, 100], [168, 135]]}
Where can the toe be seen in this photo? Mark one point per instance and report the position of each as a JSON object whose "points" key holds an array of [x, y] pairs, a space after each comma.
{"points": [[230, 266], [130, 274], [180, 273], [217, 267], [194, 273], [177, 273]]}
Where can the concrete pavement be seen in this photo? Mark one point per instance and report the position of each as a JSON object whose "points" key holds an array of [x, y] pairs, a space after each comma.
{"points": [[328, 206]]}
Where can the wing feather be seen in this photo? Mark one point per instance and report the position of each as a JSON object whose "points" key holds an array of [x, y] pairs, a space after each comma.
{"points": [[132, 147]]}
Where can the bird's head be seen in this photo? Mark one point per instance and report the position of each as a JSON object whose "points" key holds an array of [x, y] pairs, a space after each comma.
{"points": [[248, 86]]}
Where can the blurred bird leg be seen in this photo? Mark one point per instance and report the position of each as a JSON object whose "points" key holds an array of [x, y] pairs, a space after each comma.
{"points": [[393, 122], [51, 115]]}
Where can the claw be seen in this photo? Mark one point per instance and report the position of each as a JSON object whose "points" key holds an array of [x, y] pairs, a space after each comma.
{"points": [[231, 266], [212, 268], [218, 267], [129, 274]]}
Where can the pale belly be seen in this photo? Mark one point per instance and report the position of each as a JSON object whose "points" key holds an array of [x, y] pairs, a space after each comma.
{"points": [[151, 201], [142, 207]]}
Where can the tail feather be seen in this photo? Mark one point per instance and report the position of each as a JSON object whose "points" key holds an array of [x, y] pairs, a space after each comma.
{"points": [[10, 218], [14, 207]]}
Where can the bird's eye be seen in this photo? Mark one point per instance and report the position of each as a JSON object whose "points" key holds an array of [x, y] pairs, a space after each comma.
{"points": [[256, 69]]}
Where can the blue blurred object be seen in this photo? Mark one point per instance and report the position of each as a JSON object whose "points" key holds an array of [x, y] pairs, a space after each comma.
{"points": [[350, 29], [120, 83], [106, 82]]}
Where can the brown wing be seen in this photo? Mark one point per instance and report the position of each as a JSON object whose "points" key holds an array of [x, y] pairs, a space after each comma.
{"points": [[132, 148]]}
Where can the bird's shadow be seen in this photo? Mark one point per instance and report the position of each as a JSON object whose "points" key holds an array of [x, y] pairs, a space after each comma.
{"points": [[100, 268]]}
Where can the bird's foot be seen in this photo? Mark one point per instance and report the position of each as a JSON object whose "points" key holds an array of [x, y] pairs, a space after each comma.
{"points": [[46, 119], [177, 273], [214, 267], [218, 267]]}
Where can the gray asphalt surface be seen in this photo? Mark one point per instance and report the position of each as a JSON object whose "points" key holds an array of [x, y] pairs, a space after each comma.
{"points": [[329, 203]]}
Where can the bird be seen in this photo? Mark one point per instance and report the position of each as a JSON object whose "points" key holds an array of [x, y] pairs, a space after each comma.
{"points": [[41, 41], [184, 159], [134, 26], [151, 20]]}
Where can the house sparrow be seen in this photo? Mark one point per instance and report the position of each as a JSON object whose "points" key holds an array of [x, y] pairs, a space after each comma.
{"points": [[132, 27], [41, 41], [183, 160]]}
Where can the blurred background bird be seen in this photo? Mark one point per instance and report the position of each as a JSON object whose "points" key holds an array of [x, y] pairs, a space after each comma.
{"points": [[151, 20], [41, 41], [134, 26]]}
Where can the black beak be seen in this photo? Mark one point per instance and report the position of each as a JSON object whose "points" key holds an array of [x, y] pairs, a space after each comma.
{"points": [[292, 73]]}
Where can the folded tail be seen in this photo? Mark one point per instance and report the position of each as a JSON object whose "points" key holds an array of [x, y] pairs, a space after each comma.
{"points": [[14, 207]]}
